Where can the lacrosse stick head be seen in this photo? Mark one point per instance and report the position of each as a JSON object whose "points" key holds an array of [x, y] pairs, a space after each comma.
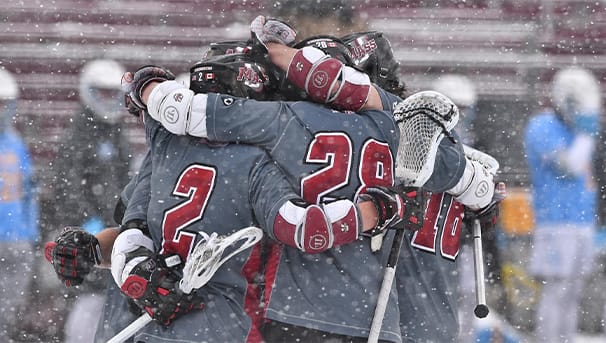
{"points": [[211, 252], [424, 119]]}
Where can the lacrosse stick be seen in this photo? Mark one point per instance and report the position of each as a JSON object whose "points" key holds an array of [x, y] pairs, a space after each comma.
{"points": [[201, 265], [481, 309], [492, 166], [390, 272], [424, 119]]}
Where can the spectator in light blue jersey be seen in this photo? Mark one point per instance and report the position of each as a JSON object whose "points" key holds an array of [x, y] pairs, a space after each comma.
{"points": [[559, 146], [18, 211]]}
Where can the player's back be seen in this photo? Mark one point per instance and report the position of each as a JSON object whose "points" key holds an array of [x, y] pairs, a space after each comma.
{"points": [[200, 187], [326, 155]]}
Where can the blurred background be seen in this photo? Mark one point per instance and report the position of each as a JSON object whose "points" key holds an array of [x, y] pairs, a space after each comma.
{"points": [[509, 49]]}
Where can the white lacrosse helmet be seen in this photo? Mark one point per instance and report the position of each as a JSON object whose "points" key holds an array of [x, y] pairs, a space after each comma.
{"points": [[424, 119], [8, 86], [458, 88], [9, 92], [461, 90], [100, 89], [575, 91]]}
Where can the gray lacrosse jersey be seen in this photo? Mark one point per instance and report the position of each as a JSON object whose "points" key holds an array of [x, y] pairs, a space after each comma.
{"points": [[329, 154], [326, 155], [426, 275], [195, 186]]}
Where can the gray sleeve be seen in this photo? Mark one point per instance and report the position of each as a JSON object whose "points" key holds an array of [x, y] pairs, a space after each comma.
{"points": [[136, 195], [268, 192], [237, 120]]}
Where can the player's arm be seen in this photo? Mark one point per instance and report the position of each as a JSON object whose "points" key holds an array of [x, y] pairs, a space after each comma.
{"points": [[74, 252], [570, 159], [324, 78], [314, 228]]}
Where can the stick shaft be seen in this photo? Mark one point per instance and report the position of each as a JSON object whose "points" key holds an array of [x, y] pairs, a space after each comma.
{"points": [[478, 263], [131, 329], [383, 299]]}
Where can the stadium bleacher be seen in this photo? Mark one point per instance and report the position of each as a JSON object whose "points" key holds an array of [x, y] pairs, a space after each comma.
{"points": [[510, 48]]}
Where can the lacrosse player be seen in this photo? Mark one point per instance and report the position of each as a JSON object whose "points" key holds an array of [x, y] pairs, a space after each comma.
{"points": [[18, 210], [423, 259], [312, 310], [194, 185], [559, 146]]}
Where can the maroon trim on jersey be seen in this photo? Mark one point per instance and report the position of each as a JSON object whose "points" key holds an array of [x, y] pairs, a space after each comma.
{"points": [[252, 297], [271, 270]]}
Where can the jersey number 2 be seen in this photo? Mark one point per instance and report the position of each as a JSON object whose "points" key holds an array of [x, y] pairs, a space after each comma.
{"points": [[196, 184]]}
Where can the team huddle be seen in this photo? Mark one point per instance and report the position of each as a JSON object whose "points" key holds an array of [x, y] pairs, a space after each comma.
{"points": [[316, 143]]}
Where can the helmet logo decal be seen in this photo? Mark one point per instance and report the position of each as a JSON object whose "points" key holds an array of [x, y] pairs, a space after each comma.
{"points": [[228, 101], [171, 114], [359, 50], [248, 74], [178, 97]]}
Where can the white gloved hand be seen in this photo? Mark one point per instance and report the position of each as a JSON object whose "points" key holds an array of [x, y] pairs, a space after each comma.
{"points": [[272, 30]]}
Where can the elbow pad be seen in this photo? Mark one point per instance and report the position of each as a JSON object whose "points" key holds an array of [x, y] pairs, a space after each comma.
{"points": [[316, 228], [476, 186], [327, 80], [178, 109]]}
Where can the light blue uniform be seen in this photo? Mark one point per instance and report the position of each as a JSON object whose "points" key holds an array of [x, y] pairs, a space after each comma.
{"points": [[564, 209], [18, 205], [557, 196]]}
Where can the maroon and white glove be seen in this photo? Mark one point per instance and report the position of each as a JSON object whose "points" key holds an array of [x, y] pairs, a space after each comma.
{"points": [[73, 254], [149, 279], [265, 30], [397, 207], [133, 84], [153, 285]]}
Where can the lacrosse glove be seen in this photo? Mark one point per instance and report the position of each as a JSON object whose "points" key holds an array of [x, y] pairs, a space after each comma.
{"points": [[73, 254], [265, 30], [133, 84], [489, 214], [153, 285], [398, 208]]}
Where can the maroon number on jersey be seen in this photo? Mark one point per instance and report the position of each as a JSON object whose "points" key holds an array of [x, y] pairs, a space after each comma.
{"points": [[335, 150], [441, 229], [195, 184]]}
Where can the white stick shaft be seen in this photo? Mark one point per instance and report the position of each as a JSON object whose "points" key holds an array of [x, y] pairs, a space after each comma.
{"points": [[478, 263], [131, 329], [377, 320]]}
